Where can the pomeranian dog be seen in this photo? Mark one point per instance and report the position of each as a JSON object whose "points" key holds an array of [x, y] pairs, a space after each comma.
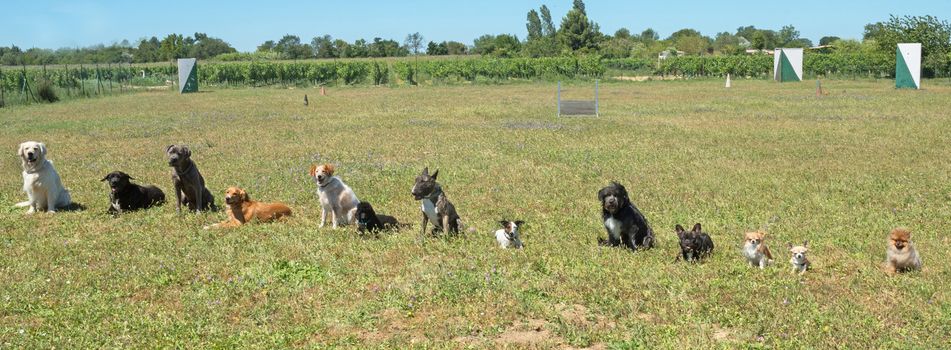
{"points": [[901, 254], [755, 249], [798, 260]]}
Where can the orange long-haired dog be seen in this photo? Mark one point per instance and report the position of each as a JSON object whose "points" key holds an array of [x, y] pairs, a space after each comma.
{"points": [[241, 209]]}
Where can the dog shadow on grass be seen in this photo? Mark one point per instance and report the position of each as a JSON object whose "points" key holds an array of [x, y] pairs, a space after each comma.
{"points": [[73, 207]]}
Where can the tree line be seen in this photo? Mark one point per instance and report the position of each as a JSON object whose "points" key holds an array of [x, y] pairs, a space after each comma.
{"points": [[147, 50], [575, 34]]}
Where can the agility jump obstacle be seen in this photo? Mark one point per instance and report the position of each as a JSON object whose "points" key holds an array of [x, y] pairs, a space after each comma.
{"points": [[578, 107], [187, 75], [787, 65], [908, 66]]}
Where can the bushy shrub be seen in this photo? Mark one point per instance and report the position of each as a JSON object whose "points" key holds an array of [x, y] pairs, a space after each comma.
{"points": [[45, 91]]}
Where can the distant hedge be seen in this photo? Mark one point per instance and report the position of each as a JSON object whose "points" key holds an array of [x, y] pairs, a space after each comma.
{"points": [[408, 71]]}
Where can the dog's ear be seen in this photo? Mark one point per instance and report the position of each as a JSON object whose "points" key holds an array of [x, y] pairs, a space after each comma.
{"points": [[519, 222], [678, 228], [22, 150], [805, 244], [124, 175], [313, 170], [503, 222], [243, 195], [435, 173], [789, 245], [425, 171], [42, 149], [329, 168], [104, 178], [696, 228], [169, 148], [186, 152]]}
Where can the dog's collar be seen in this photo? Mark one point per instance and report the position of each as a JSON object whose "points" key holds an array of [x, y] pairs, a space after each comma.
{"points": [[326, 184], [187, 166], [33, 167], [434, 195]]}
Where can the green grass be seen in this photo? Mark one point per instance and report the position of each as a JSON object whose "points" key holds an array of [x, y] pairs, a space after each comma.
{"points": [[840, 171]]}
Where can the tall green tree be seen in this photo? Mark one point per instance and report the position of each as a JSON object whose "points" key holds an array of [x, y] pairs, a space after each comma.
{"points": [[826, 40], [533, 25], [414, 42], [548, 27], [577, 32], [323, 47], [648, 36], [579, 5], [933, 34]]}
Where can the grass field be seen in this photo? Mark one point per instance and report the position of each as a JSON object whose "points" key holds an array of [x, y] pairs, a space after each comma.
{"points": [[840, 171]]}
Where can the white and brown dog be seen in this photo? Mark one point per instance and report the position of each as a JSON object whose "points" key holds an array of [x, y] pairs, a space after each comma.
{"points": [[41, 182], [508, 235], [336, 198]]}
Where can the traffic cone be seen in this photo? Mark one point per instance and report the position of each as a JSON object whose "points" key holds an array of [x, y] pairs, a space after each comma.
{"points": [[728, 83]]}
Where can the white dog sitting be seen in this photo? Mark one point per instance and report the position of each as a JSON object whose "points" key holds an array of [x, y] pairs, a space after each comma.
{"points": [[40, 180]]}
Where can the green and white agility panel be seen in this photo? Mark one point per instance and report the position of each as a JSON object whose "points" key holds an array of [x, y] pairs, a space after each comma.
{"points": [[787, 65], [187, 75], [908, 66]]}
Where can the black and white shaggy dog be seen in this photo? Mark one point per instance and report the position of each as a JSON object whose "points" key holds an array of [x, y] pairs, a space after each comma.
{"points": [[127, 196], [369, 221], [624, 223]]}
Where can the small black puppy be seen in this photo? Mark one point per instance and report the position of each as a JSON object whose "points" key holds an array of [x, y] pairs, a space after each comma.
{"points": [[694, 244], [127, 196], [624, 223], [369, 221]]}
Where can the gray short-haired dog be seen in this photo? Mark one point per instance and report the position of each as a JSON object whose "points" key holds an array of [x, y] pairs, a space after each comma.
{"points": [[189, 184]]}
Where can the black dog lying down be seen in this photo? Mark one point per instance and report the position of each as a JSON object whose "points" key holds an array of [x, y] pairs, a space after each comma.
{"points": [[369, 221], [127, 196]]}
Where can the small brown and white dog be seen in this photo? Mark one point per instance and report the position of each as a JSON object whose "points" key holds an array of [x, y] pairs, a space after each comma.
{"points": [[755, 249], [336, 198], [798, 260], [508, 235], [242, 210], [901, 253], [41, 182]]}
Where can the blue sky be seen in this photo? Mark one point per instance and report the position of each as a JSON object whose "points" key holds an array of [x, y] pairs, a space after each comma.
{"points": [[245, 24]]}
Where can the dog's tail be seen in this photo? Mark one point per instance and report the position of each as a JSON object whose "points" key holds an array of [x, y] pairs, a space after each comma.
{"points": [[463, 227], [22, 204]]}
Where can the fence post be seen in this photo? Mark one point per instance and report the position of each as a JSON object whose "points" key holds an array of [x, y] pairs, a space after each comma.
{"points": [[596, 110], [82, 81], [2, 86], [98, 80], [26, 86], [69, 91], [109, 65], [559, 98]]}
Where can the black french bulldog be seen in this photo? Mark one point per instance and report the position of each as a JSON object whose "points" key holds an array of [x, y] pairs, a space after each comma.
{"points": [[694, 244]]}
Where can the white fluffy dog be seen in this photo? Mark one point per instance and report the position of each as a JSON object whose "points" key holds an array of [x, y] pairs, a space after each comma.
{"points": [[40, 180]]}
